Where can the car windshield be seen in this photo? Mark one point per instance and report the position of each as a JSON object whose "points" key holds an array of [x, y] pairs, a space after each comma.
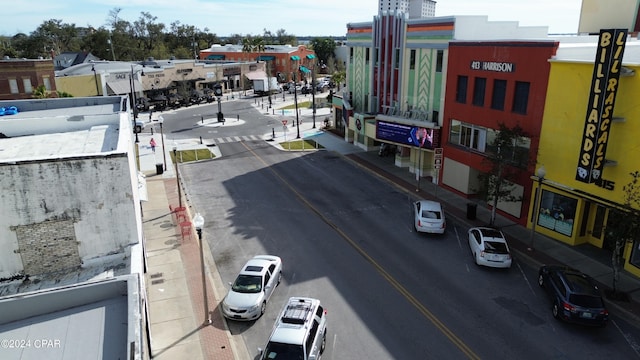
{"points": [[587, 301], [495, 247], [280, 351], [247, 284], [430, 214]]}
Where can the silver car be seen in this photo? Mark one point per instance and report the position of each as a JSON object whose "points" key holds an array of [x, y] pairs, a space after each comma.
{"points": [[429, 217], [247, 299]]}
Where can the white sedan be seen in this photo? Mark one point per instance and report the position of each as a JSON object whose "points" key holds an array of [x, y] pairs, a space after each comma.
{"points": [[489, 247], [429, 217], [247, 299]]}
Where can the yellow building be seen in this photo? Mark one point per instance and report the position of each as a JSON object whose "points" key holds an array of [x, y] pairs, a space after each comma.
{"points": [[589, 142]]}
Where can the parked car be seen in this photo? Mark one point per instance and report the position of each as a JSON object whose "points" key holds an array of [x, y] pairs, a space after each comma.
{"points": [[489, 247], [297, 88], [247, 299], [429, 217], [575, 296], [300, 331]]}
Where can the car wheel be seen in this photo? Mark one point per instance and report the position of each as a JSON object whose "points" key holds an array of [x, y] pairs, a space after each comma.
{"points": [[540, 280], [263, 308], [324, 341], [555, 310]]}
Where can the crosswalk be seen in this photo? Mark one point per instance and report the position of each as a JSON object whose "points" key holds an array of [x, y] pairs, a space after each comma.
{"points": [[232, 139]]}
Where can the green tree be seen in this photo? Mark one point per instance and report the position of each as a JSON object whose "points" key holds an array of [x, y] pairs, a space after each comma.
{"points": [[623, 225], [40, 92], [505, 159], [324, 48], [339, 78]]}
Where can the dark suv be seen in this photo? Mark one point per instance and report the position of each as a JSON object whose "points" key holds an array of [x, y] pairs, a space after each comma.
{"points": [[575, 296]]}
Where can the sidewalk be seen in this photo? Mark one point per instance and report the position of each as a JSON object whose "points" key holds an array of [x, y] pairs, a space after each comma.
{"points": [[175, 297], [174, 286]]}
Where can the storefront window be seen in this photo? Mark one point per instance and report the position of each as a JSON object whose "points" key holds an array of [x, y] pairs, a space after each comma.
{"points": [[635, 254], [557, 212]]}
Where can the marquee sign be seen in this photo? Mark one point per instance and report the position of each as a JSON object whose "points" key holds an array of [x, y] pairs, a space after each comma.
{"points": [[604, 86]]}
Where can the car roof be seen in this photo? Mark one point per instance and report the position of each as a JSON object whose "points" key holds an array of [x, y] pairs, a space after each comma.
{"points": [[291, 326], [490, 234], [578, 282], [430, 205], [258, 264]]}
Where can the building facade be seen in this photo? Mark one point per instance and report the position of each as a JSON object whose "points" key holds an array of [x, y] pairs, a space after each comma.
{"points": [[491, 83], [581, 187], [19, 78], [396, 82], [277, 58]]}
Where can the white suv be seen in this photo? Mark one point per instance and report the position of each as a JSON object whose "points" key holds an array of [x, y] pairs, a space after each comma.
{"points": [[300, 331]]}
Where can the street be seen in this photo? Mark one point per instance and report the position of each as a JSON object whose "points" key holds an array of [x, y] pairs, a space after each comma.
{"points": [[347, 238]]}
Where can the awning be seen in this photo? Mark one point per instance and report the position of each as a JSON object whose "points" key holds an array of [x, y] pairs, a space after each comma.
{"points": [[266, 58], [120, 87], [254, 75], [215, 57], [304, 69], [295, 58], [311, 56]]}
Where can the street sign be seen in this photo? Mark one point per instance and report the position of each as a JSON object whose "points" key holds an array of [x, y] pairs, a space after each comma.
{"points": [[438, 151]]}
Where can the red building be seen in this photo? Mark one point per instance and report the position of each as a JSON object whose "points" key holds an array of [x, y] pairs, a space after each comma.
{"points": [[491, 83], [278, 58], [19, 78]]}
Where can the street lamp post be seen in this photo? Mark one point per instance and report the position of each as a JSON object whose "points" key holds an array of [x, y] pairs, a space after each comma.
{"points": [[95, 79], [295, 100], [175, 160], [540, 173], [217, 90], [313, 88], [295, 93], [198, 222], [132, 84], [164, 153]]}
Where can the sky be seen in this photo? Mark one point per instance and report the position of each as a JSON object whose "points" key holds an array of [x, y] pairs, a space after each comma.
{"points": [[252, 17]]}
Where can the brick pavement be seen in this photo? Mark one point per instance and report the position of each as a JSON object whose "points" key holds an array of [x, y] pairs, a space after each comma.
{"points": [[214, 340]]}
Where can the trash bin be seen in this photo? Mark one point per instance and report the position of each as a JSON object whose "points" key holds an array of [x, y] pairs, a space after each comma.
{"points": [[471, 211], [159, 169]]}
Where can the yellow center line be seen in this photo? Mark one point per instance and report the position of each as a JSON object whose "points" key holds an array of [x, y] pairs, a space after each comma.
{"points": [[401, 289]]}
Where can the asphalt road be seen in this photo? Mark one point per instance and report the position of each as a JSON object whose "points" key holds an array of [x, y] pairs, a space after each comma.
{"points": [[346, 237]]}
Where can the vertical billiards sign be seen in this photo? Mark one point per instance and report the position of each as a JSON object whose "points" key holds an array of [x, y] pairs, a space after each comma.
{"points": [[604, 85]]}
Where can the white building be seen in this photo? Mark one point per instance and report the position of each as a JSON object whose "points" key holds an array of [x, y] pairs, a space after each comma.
{"points": [[415, 9]]}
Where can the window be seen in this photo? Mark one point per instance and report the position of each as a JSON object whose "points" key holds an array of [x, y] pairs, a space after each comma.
{"points": [[350, 54], [13, 84], [28, 89], [312, 336], [367, 51], [478, 91], [521, 97], [557, 212], [412, 60], [499, 92], [461, 90], [377, 56], [439, 61], [47, 83], [468, 135], [516, 155]]}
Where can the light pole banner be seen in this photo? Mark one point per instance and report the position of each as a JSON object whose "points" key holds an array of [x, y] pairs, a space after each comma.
{"points": [[604, 86]]}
